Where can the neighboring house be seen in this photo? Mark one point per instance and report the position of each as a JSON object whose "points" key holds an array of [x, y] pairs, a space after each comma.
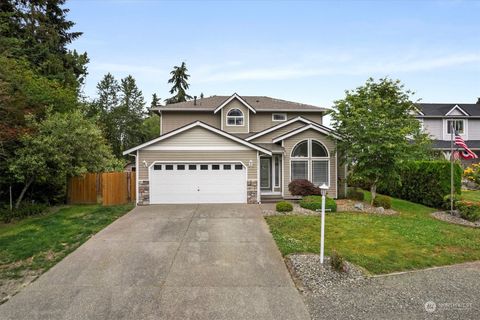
{"points": [[437, 118], [236, 149]]}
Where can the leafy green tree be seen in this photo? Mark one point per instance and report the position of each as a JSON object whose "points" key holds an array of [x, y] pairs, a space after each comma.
{"points": [[60, 146], [155, 101], [180, 85], [151, 127], [376, 124]]}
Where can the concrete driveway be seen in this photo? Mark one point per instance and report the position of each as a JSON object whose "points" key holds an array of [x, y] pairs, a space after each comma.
{"points": [[168, 262]]}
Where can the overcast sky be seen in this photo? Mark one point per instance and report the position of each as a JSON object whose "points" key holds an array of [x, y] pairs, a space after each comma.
{"points": [[307, 52]]}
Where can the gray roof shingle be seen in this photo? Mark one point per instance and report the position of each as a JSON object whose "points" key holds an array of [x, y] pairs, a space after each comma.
{"points": [[259, 103], [441, 144], [440, 109]]}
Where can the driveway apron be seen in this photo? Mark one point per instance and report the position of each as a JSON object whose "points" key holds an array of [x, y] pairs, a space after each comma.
{"points": [[212, 261]]}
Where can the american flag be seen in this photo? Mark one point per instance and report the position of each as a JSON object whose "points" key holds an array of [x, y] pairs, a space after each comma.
{"points": [[466, 153]]}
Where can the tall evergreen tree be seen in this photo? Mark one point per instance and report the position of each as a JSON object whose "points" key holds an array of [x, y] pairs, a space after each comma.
{"points": [[180, 85], [155, 101]]}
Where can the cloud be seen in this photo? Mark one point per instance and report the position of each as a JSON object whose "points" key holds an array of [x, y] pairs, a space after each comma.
{"points": [[350, 66]]}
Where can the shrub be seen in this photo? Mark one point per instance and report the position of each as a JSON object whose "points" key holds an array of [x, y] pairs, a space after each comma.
{"points": [[425, 182], [469, 210], [355, 194], [446, 201], [284, 206], [472, 173], [382, 201], [336, 261], [302, 187], [315, 203], [25, 210]]}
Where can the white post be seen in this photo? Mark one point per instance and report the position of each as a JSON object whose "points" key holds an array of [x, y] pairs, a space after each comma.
{"points": [[323, 190]]}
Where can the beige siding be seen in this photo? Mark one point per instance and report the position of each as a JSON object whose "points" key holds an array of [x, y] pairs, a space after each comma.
{"points": [[235, 104], [473, 129], [434, 127], [267, 138], [329, 144], [197, 137], [172, 120], [191, 156], [263, 120]]}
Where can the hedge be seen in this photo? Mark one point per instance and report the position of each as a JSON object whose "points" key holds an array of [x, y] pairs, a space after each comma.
{"points": [[425, 182], [315, 203]]}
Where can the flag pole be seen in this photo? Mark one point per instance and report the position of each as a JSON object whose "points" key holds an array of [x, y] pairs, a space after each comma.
{"points": [[451, 167]]}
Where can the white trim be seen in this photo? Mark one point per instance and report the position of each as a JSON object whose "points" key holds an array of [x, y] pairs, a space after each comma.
{"points": [[205, 126], [457, 107], [283, 174], [309, 159], [278, 126], [137, 177], [161, 123], [194, 148], [258, 179], [299, 130], [235, 96], [276, 113], [235, 117], [447, 136], [272, 193], [221, 120]]}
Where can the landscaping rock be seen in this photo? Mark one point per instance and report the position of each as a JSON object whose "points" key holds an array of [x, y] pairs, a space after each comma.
{"points": [[348, 205], [447, 217], [380, 210], [311, 276], [358, 206]]}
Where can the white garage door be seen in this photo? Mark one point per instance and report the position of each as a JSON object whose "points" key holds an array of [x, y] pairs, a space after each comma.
{"points": [[198, 183]]}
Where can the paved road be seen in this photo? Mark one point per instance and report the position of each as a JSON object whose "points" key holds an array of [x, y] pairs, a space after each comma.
{"points": [[441, 293], [168, 262]]}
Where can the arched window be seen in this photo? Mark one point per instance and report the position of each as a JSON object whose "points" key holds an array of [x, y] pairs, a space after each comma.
{"points": [[235, 117], [300, 150], [310, 160]]}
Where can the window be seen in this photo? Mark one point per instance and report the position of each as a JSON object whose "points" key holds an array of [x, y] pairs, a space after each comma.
{"points": [[169, 167], [299, 170], [238, 167], [215, 167], [277, 171], [204, 167], [227, 167], [157, 167], [310, 160], [300, 150], [235, 118], [320, 172], [458, 125], [318, 150], [180, 167], [279, 117], [192, 167]]}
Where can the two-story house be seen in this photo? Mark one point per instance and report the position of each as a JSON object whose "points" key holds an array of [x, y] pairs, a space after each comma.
{"points": [[236, 149], [437, 120]]}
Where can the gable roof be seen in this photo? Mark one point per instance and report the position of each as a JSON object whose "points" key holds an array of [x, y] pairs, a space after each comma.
{"points": [[234, 96], [313, 126], [278, 126], [203, 125], [259, 103], [443, 109]]}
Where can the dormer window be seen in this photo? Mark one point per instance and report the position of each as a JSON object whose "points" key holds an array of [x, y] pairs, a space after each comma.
{"points": [[235, 117]]}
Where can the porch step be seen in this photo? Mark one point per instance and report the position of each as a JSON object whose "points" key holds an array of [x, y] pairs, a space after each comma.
{"points": [[270, 198]]}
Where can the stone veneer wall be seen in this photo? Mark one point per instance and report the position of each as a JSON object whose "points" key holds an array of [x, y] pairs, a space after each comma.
{"points": [[143, 192], [252, 191]]}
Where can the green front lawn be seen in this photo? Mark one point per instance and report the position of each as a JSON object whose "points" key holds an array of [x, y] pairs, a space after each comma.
{"points": [[471, 195], [36, 244], [381, 244]]}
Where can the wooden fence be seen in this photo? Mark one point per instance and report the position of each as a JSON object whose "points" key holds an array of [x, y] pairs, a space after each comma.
{"points": [[107, 188]]}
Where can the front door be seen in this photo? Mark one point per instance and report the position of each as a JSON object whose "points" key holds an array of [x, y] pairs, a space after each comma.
{"points": [[265, 173]]}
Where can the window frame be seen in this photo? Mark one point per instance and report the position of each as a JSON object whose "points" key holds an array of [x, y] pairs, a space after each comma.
{"points": [[235, 118], [310, 159], [279, 114], [456, 121]]}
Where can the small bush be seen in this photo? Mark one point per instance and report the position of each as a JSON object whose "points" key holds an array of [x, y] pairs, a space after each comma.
{"points": [[355, 194], [382, 201], [315, 203], [336, 261], [25, 210], [446, 201], [284, 206], [469, 210], [301, 187]]}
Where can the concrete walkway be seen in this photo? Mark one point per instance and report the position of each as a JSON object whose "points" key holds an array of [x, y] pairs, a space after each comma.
{"points": [[168, 262]]}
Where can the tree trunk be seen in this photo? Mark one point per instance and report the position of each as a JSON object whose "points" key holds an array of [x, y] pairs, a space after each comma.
{"points": [[22, 194], [373, 191]]}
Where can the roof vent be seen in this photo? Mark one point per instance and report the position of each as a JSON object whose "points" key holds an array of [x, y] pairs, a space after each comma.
{"points": [[194, 100]]}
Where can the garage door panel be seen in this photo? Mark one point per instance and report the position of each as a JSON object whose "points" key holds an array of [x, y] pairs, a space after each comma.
{"points": [[198, 186]]}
